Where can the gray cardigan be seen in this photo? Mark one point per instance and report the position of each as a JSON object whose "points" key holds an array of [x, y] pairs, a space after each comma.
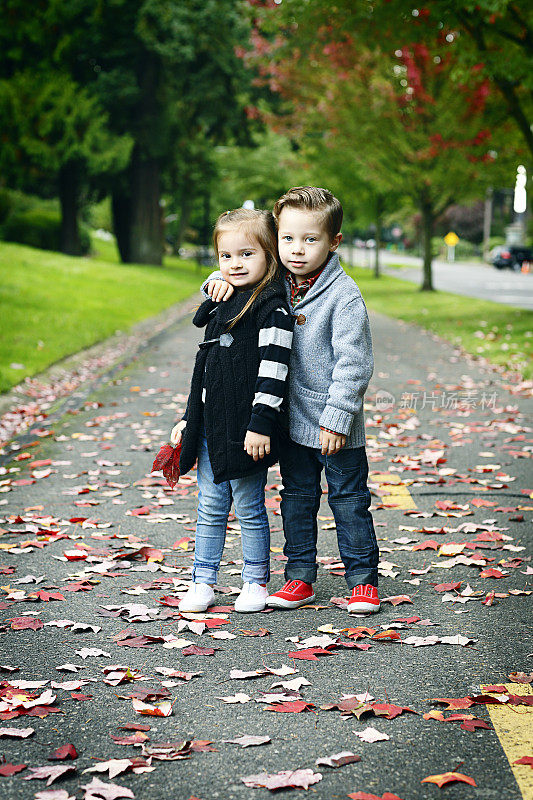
{"points": [[331, 359]]}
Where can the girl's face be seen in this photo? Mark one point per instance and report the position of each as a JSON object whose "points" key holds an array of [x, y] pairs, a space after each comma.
{"points": [[242, 261]]}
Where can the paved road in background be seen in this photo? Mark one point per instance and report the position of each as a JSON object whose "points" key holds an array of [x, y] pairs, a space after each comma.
{"points": [[452, 447], [473, 280]]}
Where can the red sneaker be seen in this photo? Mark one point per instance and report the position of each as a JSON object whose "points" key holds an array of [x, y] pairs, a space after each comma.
{"points": [[293, 595], [364, 599]]}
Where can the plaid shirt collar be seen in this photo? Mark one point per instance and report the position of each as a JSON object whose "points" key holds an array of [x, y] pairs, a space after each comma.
{"points": [[299, 290]]}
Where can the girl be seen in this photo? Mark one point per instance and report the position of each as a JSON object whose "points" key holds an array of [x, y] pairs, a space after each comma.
{"points": [[237, 389]]}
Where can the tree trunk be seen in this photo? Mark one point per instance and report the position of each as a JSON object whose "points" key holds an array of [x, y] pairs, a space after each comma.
{"points": [[121, 210], [185, 215], [378, 222], [146, 233], [137, 219], [487, 222], [69, 198], [428, 218]]}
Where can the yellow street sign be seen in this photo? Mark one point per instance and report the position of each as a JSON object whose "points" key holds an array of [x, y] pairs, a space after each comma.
{"points": [[451, 239]]}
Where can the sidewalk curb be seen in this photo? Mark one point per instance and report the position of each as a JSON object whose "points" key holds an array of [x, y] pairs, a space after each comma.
{"points": [[105, 358]]}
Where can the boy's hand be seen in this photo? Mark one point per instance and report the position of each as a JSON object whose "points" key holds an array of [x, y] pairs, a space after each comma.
{"points": [[331, 442], [219, 291], [256, 445], [177, 432]]}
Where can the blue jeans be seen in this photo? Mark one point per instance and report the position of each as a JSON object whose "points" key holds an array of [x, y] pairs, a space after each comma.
{"points": [[349, 499], [214, 504]]}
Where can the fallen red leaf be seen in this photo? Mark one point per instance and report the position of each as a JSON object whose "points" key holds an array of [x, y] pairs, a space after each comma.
{"points": [[389, 710], [6, 770], [300, 778], [292, 706], [134, 726], [194, 650], [428, 544], [66, 751], [309, 654], [136, 738], [520, 677], [397, 599], [449, 777], [386, 635], [367, 796], [25, 623], [472, 724], [492, 573], [447, 587], [525, 760], [454, 703]]}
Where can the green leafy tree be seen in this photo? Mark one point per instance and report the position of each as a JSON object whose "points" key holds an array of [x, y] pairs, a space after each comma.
{"points": [[495, 36], [56, 134], [166, 76], [411, 126], [169, 76]]}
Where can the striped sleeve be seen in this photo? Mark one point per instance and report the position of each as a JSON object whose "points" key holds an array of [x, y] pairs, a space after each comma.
{"points": [[275, 340]]}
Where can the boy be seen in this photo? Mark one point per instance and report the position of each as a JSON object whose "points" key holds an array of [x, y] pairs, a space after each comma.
{"points": [[331, 365]]}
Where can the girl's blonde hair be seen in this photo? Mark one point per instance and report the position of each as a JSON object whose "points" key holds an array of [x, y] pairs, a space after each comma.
{"points": [[259, 225]]}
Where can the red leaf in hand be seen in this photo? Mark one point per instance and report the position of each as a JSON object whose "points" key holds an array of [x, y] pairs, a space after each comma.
{"points": [[66, 751], [165, 454], [171, 470]]}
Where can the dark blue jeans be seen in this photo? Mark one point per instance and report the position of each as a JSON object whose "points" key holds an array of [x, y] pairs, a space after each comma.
{"points": [[349, 499]]}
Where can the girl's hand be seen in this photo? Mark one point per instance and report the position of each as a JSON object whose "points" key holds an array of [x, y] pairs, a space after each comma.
{"points": [[256, 445], [177, 432], [219, 291]]}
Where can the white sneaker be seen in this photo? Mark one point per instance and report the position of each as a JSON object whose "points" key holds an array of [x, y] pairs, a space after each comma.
{"points": [[198, 598], [252, 598]]}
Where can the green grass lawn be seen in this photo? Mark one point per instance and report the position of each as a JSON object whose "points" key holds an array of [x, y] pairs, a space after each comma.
{"points": [[494, 331], [53, 305]]}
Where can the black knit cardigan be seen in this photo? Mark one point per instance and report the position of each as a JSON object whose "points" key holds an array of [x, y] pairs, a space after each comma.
{"points": [[227, 367]]}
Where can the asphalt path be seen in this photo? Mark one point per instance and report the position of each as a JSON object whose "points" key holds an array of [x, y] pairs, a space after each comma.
{"points": [[101, 454], [461, 277]]}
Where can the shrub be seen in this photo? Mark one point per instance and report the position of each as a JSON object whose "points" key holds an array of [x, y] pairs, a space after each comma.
{"points": [[39, 227], [12, 201]]}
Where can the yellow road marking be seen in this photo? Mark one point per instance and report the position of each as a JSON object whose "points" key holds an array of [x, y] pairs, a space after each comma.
{"points": [[397, 494], [513, 726]]}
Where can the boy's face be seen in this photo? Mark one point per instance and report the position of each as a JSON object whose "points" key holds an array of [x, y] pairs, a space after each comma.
{"points": [[304, 242]]}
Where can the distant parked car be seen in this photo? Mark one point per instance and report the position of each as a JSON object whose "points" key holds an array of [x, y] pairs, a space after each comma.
{"points": [[510, 257]]}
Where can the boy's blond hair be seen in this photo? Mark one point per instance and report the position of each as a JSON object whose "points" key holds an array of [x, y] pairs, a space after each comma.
{"points": [[312, 198]]}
